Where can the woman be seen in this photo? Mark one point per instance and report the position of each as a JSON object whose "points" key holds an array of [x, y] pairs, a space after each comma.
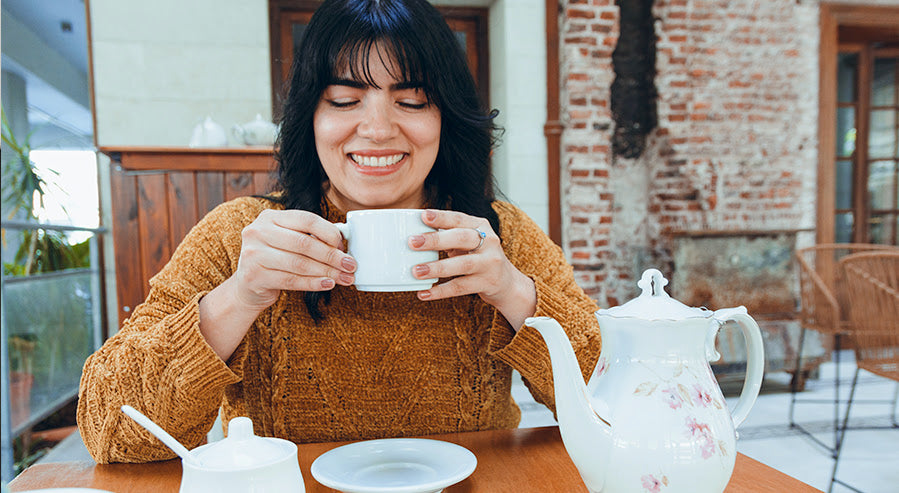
{"points": [[255, 312]]}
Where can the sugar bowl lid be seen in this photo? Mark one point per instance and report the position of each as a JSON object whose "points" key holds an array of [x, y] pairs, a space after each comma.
{"points": [[654, 303], [242, 449]]}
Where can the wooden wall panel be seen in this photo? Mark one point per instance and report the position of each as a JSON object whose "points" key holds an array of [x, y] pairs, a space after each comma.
{"points": [[153, 225], [210, 191], [262, 183], [158, 194], [124, 236], [238, 185], [182, 205]]}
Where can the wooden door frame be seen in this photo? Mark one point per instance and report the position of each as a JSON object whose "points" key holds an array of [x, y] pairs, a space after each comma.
{"points": [[832, 16], [553, 127]]}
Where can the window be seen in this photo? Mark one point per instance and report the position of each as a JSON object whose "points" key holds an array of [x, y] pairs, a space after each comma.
{"points": [[866, 153], [288, 20], [858, 196]]}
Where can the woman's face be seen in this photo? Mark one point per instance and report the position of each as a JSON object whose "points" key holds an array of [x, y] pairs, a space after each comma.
{"points": [[377, 144]]}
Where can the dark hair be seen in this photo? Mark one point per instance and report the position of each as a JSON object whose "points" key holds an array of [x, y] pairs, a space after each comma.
{"points": [[420, 43]]}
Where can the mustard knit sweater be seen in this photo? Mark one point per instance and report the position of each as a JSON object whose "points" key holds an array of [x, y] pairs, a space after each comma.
{"points": [[378, 365]]}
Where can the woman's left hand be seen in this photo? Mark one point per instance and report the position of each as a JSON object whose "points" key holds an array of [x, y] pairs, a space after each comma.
{"points": [[475, 263]]}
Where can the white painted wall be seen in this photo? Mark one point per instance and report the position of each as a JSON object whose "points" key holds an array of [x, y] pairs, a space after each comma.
{"points": [[160, 67], [518, 89]]}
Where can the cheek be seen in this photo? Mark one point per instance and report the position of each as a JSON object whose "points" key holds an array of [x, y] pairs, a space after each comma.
{"points": [[329, 131], [427, 133]]}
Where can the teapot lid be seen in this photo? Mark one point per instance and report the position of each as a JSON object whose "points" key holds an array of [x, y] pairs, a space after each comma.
{"points": [[654, 303], [242, 449]]}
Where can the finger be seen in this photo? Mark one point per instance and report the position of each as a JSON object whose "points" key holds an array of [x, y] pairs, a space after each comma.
{"points": [[314, 248], [450, 289], [307, 222], [301, 265], [288, 240], [463, 239], [456, 240], [441, 219], [293, 282], [460, 265]]}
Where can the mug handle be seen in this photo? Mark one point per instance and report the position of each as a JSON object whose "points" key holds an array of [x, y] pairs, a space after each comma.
{"points": [[344, 229], [755, 360]]}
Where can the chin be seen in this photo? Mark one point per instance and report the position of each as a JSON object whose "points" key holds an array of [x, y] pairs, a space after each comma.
{"points": [[391, 201]]}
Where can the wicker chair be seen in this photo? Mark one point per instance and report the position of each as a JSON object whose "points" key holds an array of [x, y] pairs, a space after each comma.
{"points": [[872, 282], [824, 304]]}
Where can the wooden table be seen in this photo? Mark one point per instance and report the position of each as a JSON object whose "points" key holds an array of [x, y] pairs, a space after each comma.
{"points": [[518, 460]]}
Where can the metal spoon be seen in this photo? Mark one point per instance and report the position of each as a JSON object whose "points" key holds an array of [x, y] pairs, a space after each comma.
{"points": [[161, 434]]}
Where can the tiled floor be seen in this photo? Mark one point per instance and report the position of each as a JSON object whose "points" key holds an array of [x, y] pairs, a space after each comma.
{"points": [[870, 458]]}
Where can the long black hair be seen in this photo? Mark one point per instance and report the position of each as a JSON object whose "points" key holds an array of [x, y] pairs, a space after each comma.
{"points": [[416, 38]]}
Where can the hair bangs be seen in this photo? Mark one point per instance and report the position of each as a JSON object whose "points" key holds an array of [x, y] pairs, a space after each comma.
{"points": [[391, 50]]}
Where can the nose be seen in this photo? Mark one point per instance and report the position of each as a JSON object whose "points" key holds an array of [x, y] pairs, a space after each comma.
{"points": [[377, 124]]}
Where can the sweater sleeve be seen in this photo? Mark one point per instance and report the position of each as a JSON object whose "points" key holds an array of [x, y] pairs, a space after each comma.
{"points": [[558, 297], [159, 363]]}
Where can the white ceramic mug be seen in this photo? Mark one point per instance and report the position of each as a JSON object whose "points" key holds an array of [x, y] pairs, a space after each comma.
{"points": [[379, 241]]}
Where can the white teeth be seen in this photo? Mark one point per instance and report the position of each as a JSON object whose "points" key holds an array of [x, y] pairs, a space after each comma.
{"points": [[376, 162]]}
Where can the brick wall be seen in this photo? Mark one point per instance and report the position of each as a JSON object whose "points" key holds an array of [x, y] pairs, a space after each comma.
{"points": [[734, 152]]}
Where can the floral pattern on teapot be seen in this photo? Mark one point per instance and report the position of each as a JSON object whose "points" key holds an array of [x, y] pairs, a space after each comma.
{"points": [[653, 484], [680, 396]]}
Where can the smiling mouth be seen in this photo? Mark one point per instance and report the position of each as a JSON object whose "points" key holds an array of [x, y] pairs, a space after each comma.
{"points": [[377, 161]]}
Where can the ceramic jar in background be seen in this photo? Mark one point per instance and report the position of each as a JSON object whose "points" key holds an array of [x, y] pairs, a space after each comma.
{"points": [[258, 132], [208, 133]]}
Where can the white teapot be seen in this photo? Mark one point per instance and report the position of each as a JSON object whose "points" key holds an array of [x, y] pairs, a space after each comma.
{"points": [[208, 133], [257, 132], [652, 417], [243, 462]]}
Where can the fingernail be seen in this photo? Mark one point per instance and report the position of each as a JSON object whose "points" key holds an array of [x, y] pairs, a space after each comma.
{"points": [[421, 270], [416, 241], [327, 283], [348, 264], [430, 215], [424, 295], [345, 278]]}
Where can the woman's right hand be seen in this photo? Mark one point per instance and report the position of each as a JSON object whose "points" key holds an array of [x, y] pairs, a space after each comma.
{"points": [[289, 250], [281, 250]]}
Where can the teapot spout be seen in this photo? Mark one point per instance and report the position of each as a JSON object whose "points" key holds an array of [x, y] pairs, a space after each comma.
{"points": [[586, 435]]}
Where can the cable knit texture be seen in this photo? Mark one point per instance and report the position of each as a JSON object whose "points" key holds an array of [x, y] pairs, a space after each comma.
{"points": [[378, 365]]}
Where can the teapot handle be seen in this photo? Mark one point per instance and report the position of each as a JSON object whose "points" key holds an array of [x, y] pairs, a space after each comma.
{"points": [[239, 133], [755, 363]]}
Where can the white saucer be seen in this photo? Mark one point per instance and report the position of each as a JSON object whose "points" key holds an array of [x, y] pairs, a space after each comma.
{"points": [[394, 465]]}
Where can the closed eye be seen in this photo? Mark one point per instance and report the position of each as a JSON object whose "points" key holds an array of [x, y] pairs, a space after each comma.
{"points": [[342, 103], [413, 105]]}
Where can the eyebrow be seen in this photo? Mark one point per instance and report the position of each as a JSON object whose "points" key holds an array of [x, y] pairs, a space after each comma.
{"points": [[355, 84]]}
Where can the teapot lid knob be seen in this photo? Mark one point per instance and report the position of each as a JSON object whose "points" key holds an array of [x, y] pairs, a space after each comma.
{"points": [[652, 283], [654, 303]]}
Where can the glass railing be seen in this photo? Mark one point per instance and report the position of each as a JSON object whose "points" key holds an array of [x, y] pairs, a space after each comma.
{"points": [[51, 323]]}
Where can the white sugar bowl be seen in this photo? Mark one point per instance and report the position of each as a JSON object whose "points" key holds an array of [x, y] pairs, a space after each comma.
{"points": [[243, 462]]}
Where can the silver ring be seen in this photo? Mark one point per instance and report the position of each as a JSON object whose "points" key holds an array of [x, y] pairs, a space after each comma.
{"points": [[481, 236]]}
